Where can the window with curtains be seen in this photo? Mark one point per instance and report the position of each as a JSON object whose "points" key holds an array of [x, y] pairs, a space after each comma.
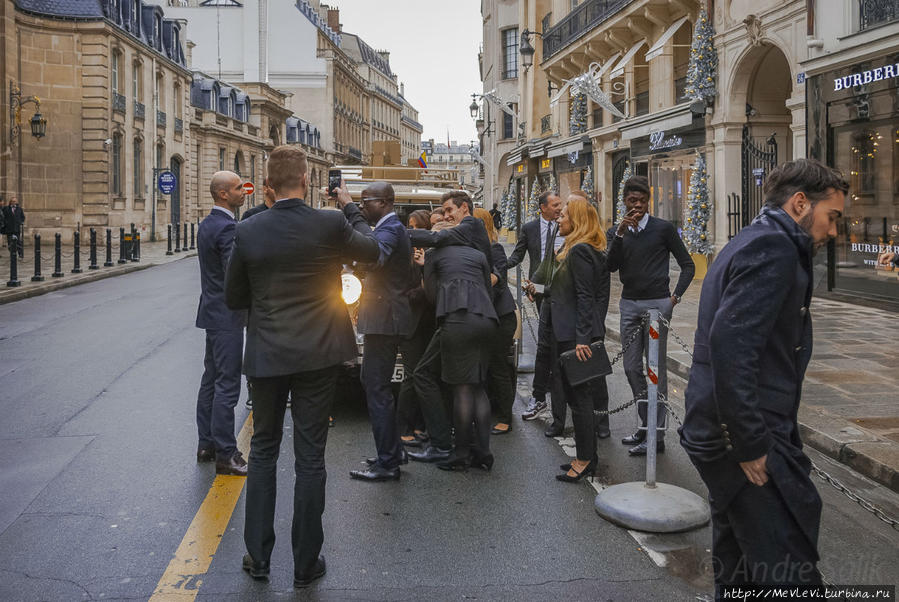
{"points": [[138, 169], [510, 53], [116, 166], [116, 71]]}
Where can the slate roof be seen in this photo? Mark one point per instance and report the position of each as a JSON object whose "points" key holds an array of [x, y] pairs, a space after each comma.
{"points": [[69, 9]]}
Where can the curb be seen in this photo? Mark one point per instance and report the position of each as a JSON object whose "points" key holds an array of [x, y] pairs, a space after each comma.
{"points": [[841, 440], [12, 295]]}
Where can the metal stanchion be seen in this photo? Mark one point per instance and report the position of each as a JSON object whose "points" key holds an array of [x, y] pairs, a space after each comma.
{"points": [[131, 248], [57, 257], [122, 246], [37, 259], [192, 230], [108, 262], [136, 256], [168, 250], [77, 267], [93, 255], [177, 228], [185, 238], [13, 264]]}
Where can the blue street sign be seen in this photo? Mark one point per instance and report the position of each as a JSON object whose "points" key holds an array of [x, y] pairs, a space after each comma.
{"points": [[166, 182]]}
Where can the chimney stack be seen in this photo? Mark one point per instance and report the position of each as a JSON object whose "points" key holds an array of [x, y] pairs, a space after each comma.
{"points": [[402, 89], [334, 19]]}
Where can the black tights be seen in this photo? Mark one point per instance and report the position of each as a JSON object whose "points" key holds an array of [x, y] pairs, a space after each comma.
{"points": [[470, 404]]}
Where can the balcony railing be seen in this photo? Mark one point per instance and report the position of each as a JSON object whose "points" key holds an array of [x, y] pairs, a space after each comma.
{"points": [[545, 124], [578, 22], [160, 118], [872, 13], [118, 103], [179, 125], [355, 152], [139, 110]]}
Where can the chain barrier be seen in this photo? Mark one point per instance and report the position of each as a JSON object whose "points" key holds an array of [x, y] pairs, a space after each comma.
{"points": [[677, 337], [865, 504]]}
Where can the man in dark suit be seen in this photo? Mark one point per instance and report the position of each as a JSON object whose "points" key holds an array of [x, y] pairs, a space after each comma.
{"points": [[384, 320], [220, 385], [13, 219], [285, 269], [268, 197], [753, 344]]}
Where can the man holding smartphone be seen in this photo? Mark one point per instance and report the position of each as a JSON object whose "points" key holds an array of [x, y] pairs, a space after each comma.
{"points": [[639, 249]]}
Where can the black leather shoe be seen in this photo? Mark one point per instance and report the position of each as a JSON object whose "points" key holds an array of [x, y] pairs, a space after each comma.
{"points": [[454, 463], [234, 466], [257, 570], [404, 459], [376, 473], [430, 454], [603, 432], [205, 454], [306, 578], [554, 430], [634, 439], [640, 449]]}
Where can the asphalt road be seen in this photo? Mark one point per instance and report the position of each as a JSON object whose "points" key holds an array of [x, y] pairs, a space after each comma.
{"points": [[98, 483]]}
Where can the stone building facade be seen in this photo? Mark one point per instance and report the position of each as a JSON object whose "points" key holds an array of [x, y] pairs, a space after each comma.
{"points": [[410, 131]]}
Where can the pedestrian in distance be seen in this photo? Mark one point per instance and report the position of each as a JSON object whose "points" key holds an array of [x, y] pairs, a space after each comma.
{"points": [[220, 384], [384, 321], [753, 344], [639, 250], [497, 218], [285, 269], [13, 219]]}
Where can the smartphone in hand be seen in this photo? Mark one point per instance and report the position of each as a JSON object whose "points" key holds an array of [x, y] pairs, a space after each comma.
{"points": [[334, 179]]}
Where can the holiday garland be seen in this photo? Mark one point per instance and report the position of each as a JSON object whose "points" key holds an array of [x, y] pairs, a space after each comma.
{"points": [[698, 212], [702, 71]]}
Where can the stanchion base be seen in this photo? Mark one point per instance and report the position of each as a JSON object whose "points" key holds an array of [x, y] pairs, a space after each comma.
{"points": [[78, 271], [121, 261], [37, 278], [108, 264], [57, 274], [192, 247], [93, 267], [662, 509], [169, 252], [12, 283]]}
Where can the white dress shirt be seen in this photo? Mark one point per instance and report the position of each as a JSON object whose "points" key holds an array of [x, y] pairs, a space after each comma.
{"points": [[558, 242], [228, 211], [383, 219]]}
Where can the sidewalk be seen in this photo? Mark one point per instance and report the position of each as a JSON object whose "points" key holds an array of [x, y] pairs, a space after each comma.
{"points": [[151, 254]]}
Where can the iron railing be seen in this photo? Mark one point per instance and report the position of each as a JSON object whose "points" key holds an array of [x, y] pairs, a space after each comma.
{"points": [[872, 13], [119, 103], [160, 118], [577, 23], [139, 110], [355, 152]]}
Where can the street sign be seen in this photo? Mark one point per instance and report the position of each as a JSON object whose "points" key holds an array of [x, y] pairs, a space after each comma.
{"points": [[248, 188], [166, 182]]}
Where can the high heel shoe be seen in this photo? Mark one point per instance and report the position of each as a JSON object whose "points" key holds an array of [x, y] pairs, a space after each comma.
{"points": [[482, 461], [589, 470], [454, 463]]}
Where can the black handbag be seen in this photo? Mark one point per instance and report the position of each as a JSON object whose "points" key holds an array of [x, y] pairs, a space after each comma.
{"points": [[578, 372]]}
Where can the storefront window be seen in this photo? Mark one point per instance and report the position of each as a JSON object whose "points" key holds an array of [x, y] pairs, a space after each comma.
{"points": [[669, 179]]}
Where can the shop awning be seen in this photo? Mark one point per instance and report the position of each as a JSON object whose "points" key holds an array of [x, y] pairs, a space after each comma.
{"points": [[618, 70], [560, 150], [683, 117], [657, 48], [514, 157]]}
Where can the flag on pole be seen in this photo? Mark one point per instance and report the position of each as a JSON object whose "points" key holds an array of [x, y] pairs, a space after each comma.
{"points": [[421, 160]]}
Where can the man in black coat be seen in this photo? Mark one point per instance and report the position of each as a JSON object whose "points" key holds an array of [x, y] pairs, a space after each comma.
{"points": [[13, 219], [268, 198], [220, 385], [385, 320], [753, 343], [285, 269]]}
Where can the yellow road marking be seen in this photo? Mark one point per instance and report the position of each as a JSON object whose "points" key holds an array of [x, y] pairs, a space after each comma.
{"points": [[183, 577]]}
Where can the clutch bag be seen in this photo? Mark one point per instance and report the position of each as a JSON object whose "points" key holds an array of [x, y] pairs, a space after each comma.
{"points": [[578, 372]]}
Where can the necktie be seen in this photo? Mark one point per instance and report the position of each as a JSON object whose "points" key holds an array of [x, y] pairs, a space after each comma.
{"points": [[549, 240]]}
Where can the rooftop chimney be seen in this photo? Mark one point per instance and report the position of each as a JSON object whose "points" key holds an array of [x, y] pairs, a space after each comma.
{"points": [[402, 89], [334, 19], [385, 54]]}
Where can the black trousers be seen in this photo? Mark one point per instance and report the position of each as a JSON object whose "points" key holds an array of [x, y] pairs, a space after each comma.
{"points": [[543, 360], [500, 376], [581, 398], [219, 391], [312, 396], [428, 386], [378, 361], [408, 407]]}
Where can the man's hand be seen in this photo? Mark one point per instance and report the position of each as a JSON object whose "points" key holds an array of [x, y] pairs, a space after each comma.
{"points": [[529, 289], [628, 221], [493, 279], [674, 300], [756, 471], [583, 352], [885, 258], [342, 195]]}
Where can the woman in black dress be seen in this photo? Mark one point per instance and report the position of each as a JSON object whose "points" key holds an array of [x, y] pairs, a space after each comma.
{"points": [[457, 280]]}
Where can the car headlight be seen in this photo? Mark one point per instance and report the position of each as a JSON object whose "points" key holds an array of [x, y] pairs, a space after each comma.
{"points": [[352, 288]]}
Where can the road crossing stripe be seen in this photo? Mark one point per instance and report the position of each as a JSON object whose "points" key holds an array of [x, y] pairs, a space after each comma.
{"points": [[184, 575]]}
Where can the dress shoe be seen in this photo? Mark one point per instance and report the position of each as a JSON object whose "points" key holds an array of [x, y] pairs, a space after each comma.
{"points": [[404, 459], [411, 441], [640, 449], [554, 430], [634, 439], [454, 462], [205, 454], [603, 432], [376, 473], [589, 471], [482, 461], [257, 570], [533, 410], [235, 466], [504, 431], [306, 578], [430, 454]]}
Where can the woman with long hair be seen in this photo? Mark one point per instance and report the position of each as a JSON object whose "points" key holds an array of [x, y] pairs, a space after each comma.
{"points": [[578, 307], [500, 376]]}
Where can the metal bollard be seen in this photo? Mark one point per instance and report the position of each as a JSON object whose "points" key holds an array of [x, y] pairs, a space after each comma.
{"points": [[108, 262], [122, 246], [169, 251], [131, 247], [192, 236], [93, 255], [185, 238], [77, 268], [177, 238], [21, 245], [37, 259], [57, 259], [136, 256], [13, 264]]}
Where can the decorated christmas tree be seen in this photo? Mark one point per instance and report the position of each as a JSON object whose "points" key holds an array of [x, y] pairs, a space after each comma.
{"points": [[587, 186], [552, 183], [699, 210], [510, 215], [619, 207], [532, 204], [577, 120], [503, 207], [702, 71]]}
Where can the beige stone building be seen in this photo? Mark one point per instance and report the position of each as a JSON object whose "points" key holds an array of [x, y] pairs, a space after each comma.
{"points": [[410, 130]]}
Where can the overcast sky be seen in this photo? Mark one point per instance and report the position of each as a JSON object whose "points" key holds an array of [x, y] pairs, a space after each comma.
{"points": [[433, 48]]}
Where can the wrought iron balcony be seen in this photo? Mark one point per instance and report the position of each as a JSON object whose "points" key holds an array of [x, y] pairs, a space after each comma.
{"points": [[545, 124], [577, 23], [179, 125], [160, 118], [872, 13], [139, 110], [118, 103], [355, 152]]}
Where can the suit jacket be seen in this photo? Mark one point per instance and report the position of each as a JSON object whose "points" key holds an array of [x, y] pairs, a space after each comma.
{"points": [[253, 211], [215, 238], [469, 232], [502, 296], [286, 269], [458, 278], [12, 219], [528, 242], [384, 306], [580, 297], [753, 344]]}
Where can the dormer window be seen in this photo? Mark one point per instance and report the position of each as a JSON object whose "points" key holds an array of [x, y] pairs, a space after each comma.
{"points": [[136, 15]]}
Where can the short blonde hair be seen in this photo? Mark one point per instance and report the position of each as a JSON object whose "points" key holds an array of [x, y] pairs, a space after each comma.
{"points": [[286, 167]]}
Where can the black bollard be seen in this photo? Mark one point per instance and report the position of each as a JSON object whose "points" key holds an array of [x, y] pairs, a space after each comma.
{"points": [[177, 238], [21, 246], [122, 246], [13, 263], [169, 251], [132, 247], [93, 261], [77, 268], [136, 256], [185, 238], [57, 259], [108, 263], [192, 236], [37, 259]]}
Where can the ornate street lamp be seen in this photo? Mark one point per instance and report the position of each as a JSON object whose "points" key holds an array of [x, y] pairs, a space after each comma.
{"points": [[526, 50], [16, 102]]}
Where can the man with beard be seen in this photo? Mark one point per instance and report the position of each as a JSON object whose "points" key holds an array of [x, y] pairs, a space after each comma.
{"points": [[753, 343]]}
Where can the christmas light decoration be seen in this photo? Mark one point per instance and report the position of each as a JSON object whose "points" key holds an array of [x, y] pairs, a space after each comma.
{"points": [[702, 71]]}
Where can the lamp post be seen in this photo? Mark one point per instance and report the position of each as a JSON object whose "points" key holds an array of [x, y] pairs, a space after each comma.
{"points": [[16, 102], [526, 49]]}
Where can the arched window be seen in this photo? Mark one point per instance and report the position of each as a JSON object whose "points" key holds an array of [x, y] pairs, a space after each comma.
{"points": [[115, 176]]}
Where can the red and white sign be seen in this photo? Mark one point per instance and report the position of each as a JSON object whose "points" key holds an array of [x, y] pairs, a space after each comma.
{"points": [[248, 188]]}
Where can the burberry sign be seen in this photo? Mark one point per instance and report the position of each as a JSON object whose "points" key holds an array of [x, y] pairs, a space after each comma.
{"points": [[866, 77]]}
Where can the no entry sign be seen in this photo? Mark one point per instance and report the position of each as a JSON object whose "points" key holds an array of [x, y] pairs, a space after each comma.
{"points": [[248, 188]]}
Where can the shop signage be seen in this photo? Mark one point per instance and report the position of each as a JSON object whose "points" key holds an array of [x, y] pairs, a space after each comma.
{"points": [[759, 173], [657, 141], [866, 77], [546, 163], [662, 141], [873, 249], [520, 168]]}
